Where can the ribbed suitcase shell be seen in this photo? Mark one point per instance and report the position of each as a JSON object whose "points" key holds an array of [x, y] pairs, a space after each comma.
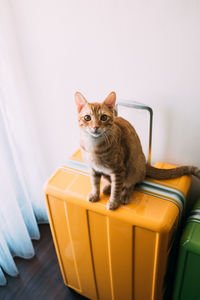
{"points": [[187, 283], [105, 254]]}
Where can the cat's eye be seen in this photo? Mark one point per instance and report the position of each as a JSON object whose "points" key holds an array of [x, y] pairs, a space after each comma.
{"points": [[87, 118], [103, 117]]}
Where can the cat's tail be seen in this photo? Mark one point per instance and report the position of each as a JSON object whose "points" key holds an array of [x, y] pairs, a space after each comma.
{"points": [[157, 173]]}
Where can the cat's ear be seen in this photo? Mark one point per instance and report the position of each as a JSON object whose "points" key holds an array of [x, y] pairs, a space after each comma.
{"points": [[80, 101], [110, 100]]}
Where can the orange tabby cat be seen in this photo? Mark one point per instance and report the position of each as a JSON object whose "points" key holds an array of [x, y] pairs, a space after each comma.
{"points": [[111, 148]]}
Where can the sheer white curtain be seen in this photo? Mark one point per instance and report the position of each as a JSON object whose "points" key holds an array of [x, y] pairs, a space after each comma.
{"points": [[22, 173]]}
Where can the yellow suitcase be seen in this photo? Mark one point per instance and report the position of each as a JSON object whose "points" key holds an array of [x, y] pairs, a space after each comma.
{"points": [[121, 254]]}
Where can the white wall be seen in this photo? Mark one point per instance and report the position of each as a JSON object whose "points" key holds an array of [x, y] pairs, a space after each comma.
{"points": [[144, 50]]}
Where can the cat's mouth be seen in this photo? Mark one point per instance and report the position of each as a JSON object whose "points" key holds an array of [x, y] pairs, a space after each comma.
{"points": [[95, 133]]}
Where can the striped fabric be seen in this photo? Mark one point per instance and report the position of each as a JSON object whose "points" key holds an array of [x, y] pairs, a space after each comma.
{"points": [[147, 186], [194, 216]]}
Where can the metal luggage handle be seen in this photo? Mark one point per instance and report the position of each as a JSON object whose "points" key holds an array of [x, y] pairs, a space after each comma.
{"points": [[138, 105]]}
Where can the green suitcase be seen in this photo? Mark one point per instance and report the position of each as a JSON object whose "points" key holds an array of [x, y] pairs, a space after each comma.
{"points": [[187, 279]]}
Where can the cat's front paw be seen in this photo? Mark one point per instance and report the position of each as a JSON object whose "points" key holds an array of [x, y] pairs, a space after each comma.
{"points": [[93, 197], [112, 205]]}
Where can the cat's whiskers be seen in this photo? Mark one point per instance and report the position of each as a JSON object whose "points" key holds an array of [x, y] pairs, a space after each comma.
{"points": [[106, 138], [113, 137]]}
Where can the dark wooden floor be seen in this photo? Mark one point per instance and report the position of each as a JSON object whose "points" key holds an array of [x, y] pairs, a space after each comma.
{"points": [[40, 277]]}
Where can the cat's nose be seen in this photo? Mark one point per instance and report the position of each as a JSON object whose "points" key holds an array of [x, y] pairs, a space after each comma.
{"points": [[95, 128]]}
